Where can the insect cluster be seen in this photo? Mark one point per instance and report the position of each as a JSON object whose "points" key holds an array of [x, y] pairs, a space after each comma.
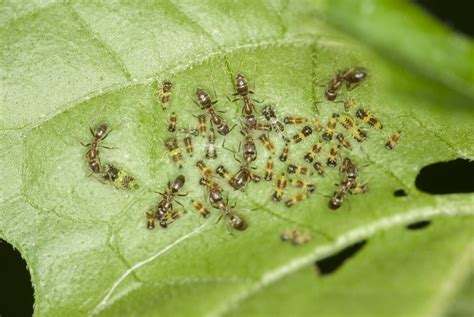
{"points": [[328, 143]]}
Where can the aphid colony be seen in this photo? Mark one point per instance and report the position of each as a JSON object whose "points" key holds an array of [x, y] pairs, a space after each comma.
{"points": [[328, 144]]}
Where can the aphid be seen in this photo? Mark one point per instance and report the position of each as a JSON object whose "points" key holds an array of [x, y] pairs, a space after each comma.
{"points": [[348, 103], [315, 150], [118, 177], [202, 124], [243, 91], [254, 177], [188, 142], [263, 127], [359, 189], [175, 152], [300, 136], [269, 170], [164, 211], [318, 168], [92, 155], [206, 171], [270, 116], [368, 118], [295, 236], [172, 124], [298, 169], [352, 77], [150, 220], [343, 141], [284, 153], [249, 150], [330, 128], [190, 131], [215, 194], [317, 126], [332, 157], [267, 143], [280, 187], [358, 134], [349, 170], [224, 173], [200, 208], [393, 140], [304, 185], [165, 94], [211, 152], [294, 120], [206, 103], [346, 121], [296, 199]]}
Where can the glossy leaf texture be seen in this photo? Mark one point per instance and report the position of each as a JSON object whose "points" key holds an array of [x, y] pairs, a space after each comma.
{"points": [[68, 66]]}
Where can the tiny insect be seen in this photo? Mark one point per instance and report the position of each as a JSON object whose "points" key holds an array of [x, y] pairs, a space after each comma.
{"points": [[294, 120], [164, 211], [315, 150], [300, 136], [358, 134], [119, 177], [393, 140], [368, 118], [92, 155], [150, 220], [250, 121], [346, 121], [249, 150], [330, 128], [343, 141], [205, 102], [200, 208], [263, 126], [270, 116], [296, 199], [284, 153], [224, 173], [267, 143], [234, 220], [190, 131], [318, 168], [172, 124], [348, 103], [332, 157], [349, 170], [336, 199], [214, 191], [174, 151], [295, 236], [269, 170], [165, 94], [188, 143], [280, 187], [202, 125], [206, 171], [359, 189], [352, 77], [298, 169], [242, 177], [304, 185], [317, 126], [243, 91], [211, 152]]}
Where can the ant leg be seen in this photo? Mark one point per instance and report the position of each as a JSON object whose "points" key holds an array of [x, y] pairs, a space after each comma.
{"points": [[88, 144], [92, 131], [230, 130]]}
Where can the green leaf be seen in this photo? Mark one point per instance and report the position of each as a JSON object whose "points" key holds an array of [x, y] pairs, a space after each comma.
{"points": [[68, 66]]}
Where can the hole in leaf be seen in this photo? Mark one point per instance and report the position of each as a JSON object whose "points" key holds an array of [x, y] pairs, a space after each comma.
{"points": [[456, 14], [16, 292], [400, 193], [334, 262], [418, 225], [447, 177]]}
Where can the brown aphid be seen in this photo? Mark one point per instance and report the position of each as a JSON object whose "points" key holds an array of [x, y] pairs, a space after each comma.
{"points": [[92, 155], [150, 220], [211, 152], [349, 170], [269, 170], [359, 189], [206, 171], [300, 136], [346, 121], [315, 150], [224, 173], [348, 103], [165, 94], [330, 128], [214, 191], [202, 125], [298, 169], [332, 156], [270, 116], [267, 143], [263, 127], [295, 236], [249, 150], [284, 153], [393, 140], [368, 118], [165, 206], [119, 177], [188, 143], [200, 209], [280, 187], [317, 125], [172, 124], [358, 134], [304, 185], [318, 168], [243, 91], [296, 199], [174, 151], [343, 141], [295, 120], [206, 103]]}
